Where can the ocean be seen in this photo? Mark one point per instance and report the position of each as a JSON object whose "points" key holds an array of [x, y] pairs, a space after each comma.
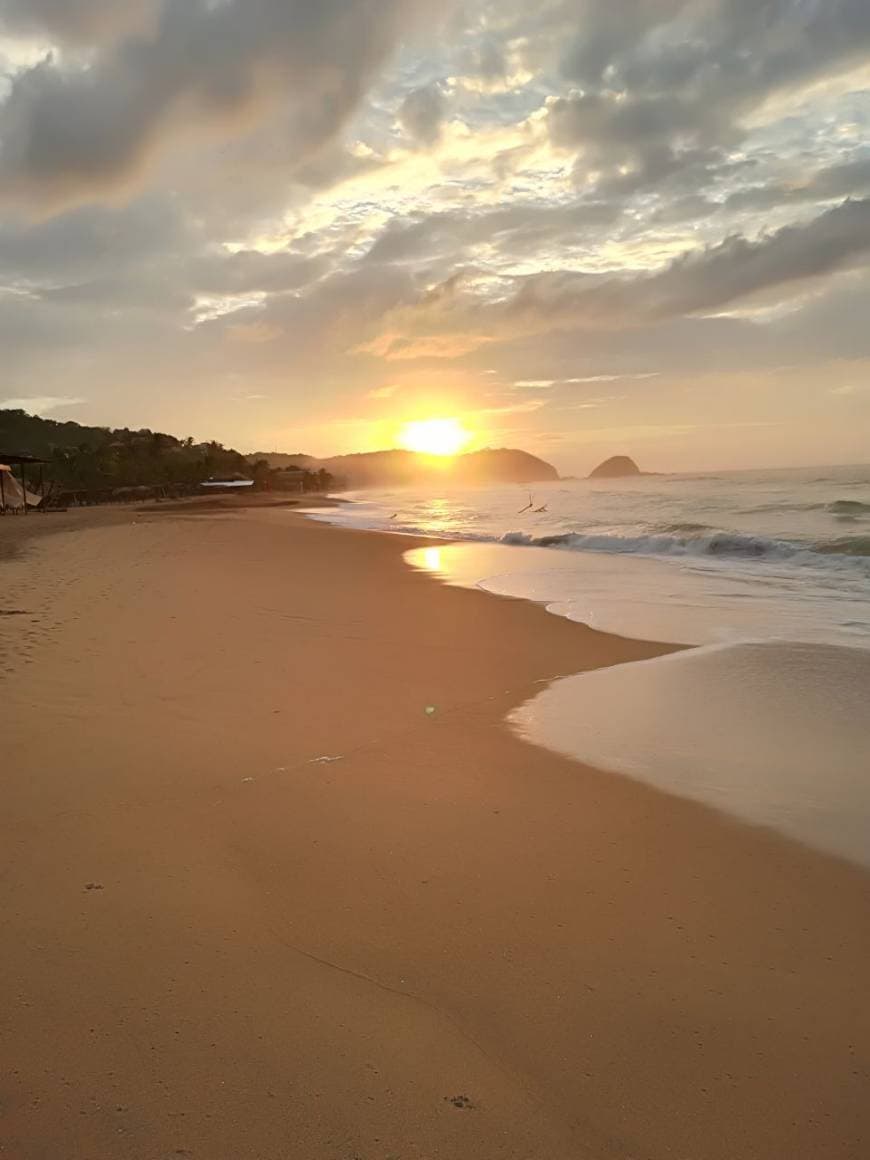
{"points": [[685, 558], [766, 573]]}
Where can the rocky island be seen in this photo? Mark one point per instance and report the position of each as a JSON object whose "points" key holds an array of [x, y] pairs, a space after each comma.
{"points": [[616, 467]]}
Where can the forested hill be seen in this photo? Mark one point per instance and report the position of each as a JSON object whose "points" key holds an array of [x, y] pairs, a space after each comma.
{"points": [[396, 468], [98, 457]]}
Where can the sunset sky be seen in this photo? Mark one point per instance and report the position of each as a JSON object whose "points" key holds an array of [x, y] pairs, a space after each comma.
{"points": [[582, 226]]}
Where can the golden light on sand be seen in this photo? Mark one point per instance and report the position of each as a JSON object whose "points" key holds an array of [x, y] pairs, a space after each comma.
{"points": [[434, 436]]}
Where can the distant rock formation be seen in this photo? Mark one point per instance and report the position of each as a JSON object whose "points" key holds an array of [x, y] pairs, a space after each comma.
{"points": [[502, 465], [616, 467], [394, 468]]}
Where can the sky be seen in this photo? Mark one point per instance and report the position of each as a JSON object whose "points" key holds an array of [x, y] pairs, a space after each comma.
{"points": [[586, 227]]}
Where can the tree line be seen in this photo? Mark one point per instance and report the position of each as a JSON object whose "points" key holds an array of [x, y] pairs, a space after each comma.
{"points": [[103, 460]]}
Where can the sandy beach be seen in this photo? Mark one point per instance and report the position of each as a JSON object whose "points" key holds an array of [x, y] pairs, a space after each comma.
{"points": [[278, 882]]}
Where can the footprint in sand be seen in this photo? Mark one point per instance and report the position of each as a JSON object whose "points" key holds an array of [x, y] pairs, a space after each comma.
{"points": [[462, 1102]]}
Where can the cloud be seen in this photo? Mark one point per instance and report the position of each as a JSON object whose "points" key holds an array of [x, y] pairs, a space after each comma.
{"points": [[40, 404], [253, 332], [544, 384], [737, 268], [422, 114], [832, 182], [487, 60], [526, 407], [525, 227], [627, 141], [244, 271], [614, 378], [704, 280], [404, 348], [90, 241], [849, 389], [455, 317], [734, 50], [75, 133], [76, 20], [668, 85]]}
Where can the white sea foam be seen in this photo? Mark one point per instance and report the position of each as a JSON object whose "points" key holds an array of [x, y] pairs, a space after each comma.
{"points": [[689, 540], [654, 599]]}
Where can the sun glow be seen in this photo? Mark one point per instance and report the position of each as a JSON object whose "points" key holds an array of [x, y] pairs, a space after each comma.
{"points": [[434, 436]]}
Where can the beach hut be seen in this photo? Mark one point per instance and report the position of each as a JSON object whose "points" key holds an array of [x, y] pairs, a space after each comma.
{"points": [[14, 494], [233, 484], [291, 479]]}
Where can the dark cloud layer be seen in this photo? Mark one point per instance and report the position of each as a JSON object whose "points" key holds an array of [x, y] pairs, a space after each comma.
{"points": [[422, 112], [76, 20], [669, 82], [707, 280], [835, 181], [703, 281], [735, 50], [520, 228], [737, 268], [700, 282], [68, 133]]}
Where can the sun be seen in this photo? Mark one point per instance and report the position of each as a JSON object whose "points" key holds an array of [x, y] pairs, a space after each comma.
{"points": [[434, 436]]}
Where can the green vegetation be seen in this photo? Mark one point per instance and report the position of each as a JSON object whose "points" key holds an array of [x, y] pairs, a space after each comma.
{"points": [[96, 464], [291, 478], [97, 458]]}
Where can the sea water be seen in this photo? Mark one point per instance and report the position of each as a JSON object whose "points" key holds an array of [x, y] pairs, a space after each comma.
{"points": [[768, 572], [775, 733], [685, 558]]}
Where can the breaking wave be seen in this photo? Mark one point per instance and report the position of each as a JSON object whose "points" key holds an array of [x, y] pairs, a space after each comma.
{"points": [[837, 507], [848, 507], [698, 540]]}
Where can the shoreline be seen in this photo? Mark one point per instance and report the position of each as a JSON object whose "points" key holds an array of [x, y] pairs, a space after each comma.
{"points": [[654, 565], [446, 942]]}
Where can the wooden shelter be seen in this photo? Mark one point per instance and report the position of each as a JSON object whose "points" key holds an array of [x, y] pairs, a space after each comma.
{"points": [[13, 459]]}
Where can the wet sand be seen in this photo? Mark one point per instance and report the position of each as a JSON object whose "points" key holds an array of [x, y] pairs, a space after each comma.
{"points": [[441, 942]]}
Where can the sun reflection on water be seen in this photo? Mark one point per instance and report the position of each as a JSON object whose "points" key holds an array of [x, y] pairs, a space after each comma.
{"points": [[430, 559]]}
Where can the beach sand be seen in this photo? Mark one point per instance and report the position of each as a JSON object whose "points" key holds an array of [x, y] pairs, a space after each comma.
{"points": [[443, 942]]}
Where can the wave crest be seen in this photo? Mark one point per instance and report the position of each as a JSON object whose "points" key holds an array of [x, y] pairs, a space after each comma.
{"points": [[848, 507], [696, 540]]}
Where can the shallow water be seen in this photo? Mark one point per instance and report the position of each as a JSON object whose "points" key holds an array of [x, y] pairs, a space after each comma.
{"points": [[694, 559], [650, 599], [776, 734]]}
